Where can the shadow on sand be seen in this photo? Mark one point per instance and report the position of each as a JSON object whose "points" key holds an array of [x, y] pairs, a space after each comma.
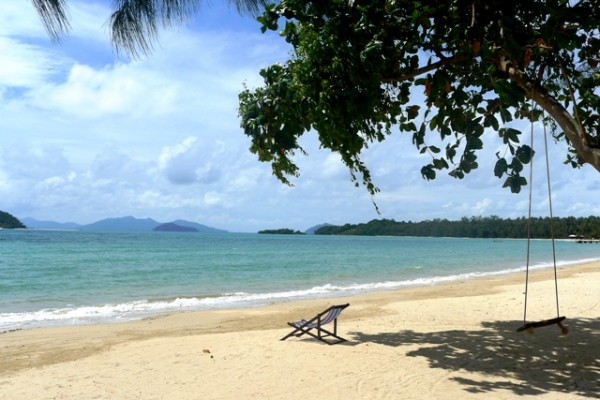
{"points": [[527, 364]]}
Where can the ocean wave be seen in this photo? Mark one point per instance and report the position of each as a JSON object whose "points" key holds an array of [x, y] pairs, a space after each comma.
{"points": [[145, 308]]}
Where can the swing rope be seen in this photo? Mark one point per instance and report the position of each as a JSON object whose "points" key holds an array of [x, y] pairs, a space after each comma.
{"points": [[551, 217], [528, 223], [558, 320]]}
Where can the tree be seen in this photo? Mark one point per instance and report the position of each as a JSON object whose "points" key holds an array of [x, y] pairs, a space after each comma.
{"points": [[134, 24], [359, 66]]}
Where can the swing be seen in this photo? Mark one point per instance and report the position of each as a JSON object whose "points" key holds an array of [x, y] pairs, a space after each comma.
{"points": [[530, 326]]}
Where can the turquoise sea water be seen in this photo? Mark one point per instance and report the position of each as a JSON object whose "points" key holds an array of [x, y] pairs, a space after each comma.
{"points": [[52, 278]]}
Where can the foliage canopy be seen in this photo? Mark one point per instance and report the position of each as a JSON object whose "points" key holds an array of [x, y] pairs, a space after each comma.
{"points": [[359, 66]]}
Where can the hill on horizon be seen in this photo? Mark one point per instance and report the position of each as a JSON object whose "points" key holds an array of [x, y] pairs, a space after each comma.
{"points": [[9, 221], [33, 223], [312, 230], [171, 227], [118, 224]]}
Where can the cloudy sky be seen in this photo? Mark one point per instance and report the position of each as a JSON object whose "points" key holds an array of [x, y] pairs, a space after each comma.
{"points": [[87, 134]]}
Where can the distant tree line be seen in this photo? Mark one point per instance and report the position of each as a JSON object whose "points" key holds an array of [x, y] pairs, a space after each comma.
{"points": [[284, 231], [7, 221], [474, 227]]}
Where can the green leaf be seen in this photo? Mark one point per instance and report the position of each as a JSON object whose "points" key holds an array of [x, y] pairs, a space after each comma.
{"points": [[445, 131], [408, 127], [412, 112], [500, 168], [428, 172], [525, 154], [440, 163], [515, 183], [457, 173], [516, 165], [505, 115], [474, 143], [492, 121], [513, 134], [451, 152]]}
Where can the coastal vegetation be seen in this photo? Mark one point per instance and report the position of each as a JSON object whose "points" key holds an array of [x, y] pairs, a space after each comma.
{"points": [[8, 221], [283, 231], [474, 227]]}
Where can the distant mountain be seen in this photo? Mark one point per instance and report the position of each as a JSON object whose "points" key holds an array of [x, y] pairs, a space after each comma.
{"points": [[311, 231], [122, 224], [171, 227], [199, 227], [33, 223]]}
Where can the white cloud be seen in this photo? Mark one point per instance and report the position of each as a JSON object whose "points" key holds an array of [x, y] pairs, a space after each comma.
{"points": [[191, 162], [52, 183], [333, 167], [25, 65], [172, 152], [90, 93], [33, 162], [5, 184], [88, 135], [213, 198], [19, 18], [482, 207]]}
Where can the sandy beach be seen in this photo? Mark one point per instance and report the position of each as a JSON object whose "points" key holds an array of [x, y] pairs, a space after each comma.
{"points": [[452, 341]]}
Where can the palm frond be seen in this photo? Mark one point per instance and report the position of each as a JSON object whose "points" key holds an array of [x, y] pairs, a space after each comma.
{"points": [[134, 24], [54, 17], [251, 7]]}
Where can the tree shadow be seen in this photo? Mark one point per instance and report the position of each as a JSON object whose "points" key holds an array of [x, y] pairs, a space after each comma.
{"points": [[528, 364]]}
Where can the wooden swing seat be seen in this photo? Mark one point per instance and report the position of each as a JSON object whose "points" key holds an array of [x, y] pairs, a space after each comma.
{"points": [[541, 324]]}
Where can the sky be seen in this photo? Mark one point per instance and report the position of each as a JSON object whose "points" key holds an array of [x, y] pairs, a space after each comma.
{"points": [[88, 134]]}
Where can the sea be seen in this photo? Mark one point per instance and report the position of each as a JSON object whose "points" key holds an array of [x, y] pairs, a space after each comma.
{"points": [[57, 278]]}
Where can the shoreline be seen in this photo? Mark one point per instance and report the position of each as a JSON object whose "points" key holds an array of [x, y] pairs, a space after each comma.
{"points": [[381, 326], [139, 310]]}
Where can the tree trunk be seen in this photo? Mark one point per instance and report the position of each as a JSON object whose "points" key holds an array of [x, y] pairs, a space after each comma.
{"points": [[572, 129]]}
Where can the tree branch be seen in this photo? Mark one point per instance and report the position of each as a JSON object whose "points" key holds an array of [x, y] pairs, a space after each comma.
{"points": [[572, 129], [425, 69]]}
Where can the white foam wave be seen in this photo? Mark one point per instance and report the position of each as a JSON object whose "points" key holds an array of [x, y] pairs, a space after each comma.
{"points": [[144, 308]]}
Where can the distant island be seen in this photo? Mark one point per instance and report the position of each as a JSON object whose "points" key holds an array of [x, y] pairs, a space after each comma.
{"points": [[171, 227], [284, 231], [8, 221], [474, 227]]}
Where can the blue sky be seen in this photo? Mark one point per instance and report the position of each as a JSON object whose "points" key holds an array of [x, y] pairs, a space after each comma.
{"points": [[87, 134]]}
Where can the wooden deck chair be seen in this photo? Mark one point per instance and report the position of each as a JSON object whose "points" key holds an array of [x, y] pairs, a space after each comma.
{"points": [[326, 317]]}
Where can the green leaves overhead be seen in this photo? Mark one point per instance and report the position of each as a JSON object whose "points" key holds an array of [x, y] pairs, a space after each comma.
{"points": [[447, 73], [514, 181]]}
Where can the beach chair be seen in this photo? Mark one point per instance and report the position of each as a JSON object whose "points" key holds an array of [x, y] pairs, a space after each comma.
{"points": [[324, 318]]}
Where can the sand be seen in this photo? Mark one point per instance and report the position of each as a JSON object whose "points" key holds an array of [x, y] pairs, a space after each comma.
{"points": [[452, 341]]}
